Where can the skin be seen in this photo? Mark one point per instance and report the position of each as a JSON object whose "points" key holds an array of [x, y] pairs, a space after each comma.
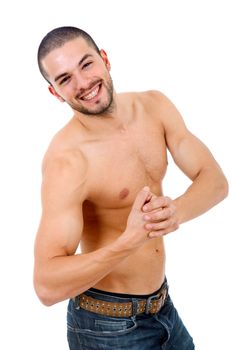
{"points": [[102, 183]]}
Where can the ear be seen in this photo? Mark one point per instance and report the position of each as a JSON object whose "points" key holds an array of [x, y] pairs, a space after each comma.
{"points": [[105, 59], [54, 93]]}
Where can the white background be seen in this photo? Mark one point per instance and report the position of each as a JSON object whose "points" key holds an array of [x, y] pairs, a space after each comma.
{"points": [[184, 49]]}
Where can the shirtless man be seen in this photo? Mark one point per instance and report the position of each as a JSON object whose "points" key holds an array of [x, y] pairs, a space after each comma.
{"points": [[102, 190]]}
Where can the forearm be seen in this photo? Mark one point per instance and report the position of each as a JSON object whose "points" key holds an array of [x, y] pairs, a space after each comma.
{"points": [[59, 276], [64, 277], [207, 189]]}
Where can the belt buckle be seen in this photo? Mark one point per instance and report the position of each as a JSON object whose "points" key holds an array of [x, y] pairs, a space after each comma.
{"points": [[159, 301]]}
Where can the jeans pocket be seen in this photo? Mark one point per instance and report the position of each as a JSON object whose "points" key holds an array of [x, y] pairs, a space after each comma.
{"points": [[85, 322], [114, 327]]}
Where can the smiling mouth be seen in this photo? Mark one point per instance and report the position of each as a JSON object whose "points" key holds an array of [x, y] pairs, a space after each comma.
{"points": [[92, 94]]}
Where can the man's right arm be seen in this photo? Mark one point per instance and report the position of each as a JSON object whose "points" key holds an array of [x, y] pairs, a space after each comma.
{"points": [[59, 273]]}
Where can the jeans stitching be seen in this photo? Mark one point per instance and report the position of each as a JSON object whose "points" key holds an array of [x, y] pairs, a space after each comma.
{"points": [[103, 333]]}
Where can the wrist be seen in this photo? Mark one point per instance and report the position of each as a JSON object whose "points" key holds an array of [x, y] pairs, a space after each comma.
{"points": [[179, 213], [124, 243]]}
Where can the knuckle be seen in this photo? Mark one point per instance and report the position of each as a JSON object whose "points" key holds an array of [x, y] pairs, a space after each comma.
{"points": [[167, 213], [171, 211], [169, 223], [162, 214], [163, 225], [156, 216]]}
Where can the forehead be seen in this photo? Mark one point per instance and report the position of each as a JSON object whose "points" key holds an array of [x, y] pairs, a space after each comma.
{"points": [[66, 57]]}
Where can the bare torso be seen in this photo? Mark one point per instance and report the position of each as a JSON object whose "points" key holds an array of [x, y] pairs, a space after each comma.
{"points": [[102, 182], [118, 165]]}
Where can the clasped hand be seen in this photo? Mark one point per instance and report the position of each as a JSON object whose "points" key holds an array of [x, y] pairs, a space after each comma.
{"points": [[160, 216]]}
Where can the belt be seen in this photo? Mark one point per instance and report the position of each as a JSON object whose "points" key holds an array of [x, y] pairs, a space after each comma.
{"points": [[151, 305]]}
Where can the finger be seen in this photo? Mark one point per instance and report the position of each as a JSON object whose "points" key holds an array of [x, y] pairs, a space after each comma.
{"points": [[149, 197], [160, 233], [162, 225], [156, 234], [159, 214], [141, 198], [156, 203]]}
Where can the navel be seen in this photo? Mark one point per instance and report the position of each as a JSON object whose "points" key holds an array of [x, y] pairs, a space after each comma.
{"points": [[124, 193]]}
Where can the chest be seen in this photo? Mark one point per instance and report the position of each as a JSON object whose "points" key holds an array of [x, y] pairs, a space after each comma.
{"points": [[123, 163]]}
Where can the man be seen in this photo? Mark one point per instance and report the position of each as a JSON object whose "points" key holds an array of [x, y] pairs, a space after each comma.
{"points": [[102, 190]]}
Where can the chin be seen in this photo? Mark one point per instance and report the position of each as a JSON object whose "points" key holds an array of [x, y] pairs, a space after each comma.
{"points": [[98, 110]]}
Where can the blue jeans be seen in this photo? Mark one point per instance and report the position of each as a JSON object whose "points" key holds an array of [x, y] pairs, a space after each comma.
{"points": [[162, 331]]}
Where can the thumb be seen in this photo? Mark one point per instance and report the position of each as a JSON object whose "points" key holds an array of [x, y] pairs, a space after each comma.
{"points": [[141, 198]]}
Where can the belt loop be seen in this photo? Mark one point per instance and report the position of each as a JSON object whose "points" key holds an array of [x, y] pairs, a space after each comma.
{"points": [[76, 301], [148, 304], [134, 306]]}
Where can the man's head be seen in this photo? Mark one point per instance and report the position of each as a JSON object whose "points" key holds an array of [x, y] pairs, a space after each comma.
{"points": [[77, 71]]}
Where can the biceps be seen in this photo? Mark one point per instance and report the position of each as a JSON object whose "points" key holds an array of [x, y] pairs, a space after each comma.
{"points": [[59, 236], [191, 155]]}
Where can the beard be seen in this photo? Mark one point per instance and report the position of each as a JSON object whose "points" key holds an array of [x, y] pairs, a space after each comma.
{"points": [[100, 108]]}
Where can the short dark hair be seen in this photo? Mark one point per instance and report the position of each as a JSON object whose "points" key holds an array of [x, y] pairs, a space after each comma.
{"points": [[57, 38]]}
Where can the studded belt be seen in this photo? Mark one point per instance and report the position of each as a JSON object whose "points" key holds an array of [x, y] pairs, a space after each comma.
{"points": [[151, 305]]}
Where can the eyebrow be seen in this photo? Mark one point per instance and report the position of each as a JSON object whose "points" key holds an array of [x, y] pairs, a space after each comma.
{"points": [[79, 64]]}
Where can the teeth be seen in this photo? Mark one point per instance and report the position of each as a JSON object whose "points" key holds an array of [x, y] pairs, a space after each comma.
{"points": [[91, 94]]}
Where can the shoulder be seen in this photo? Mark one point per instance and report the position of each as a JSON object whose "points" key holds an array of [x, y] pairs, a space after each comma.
{"points": [[159, 106], [64, 171], [147, 99], [156, 106], [153, 102], [64, 152], [64, 161], [154, 99]]}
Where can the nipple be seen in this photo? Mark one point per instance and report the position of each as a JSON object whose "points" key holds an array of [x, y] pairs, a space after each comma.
{"points": [[124, 193]]}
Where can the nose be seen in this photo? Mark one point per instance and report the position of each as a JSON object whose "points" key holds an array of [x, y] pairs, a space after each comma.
{"points": [[81, 83]]}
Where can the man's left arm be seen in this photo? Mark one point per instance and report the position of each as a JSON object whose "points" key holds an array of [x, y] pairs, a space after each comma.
{"points": [[209, 185]]}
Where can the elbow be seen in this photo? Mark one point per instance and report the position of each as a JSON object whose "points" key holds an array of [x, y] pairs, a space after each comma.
{"points": [[223, 188], [46, 295]]}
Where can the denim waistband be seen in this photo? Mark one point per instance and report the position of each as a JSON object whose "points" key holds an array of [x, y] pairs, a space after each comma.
{"points": [[120, 297]]}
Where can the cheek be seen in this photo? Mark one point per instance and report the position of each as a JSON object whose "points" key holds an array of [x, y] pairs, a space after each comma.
{"points": [[101, 72], [69, 92]]}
